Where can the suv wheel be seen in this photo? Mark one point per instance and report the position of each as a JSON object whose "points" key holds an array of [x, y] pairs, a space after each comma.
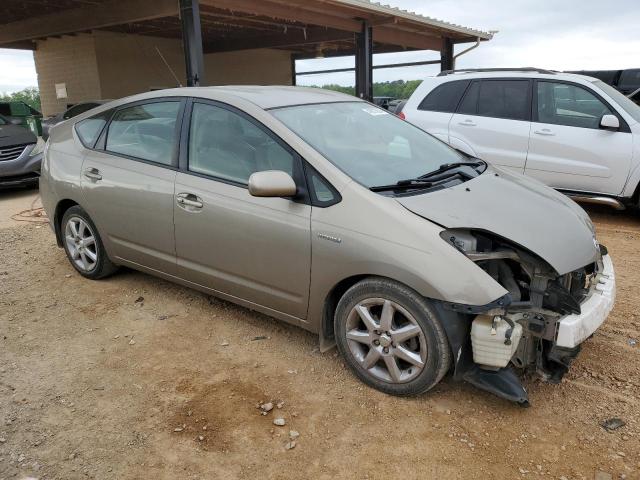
{"points": [[83, 245], [391, 338]]}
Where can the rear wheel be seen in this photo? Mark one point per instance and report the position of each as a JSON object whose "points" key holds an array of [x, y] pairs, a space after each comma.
{"points": [[391, 338], [83, 245]]}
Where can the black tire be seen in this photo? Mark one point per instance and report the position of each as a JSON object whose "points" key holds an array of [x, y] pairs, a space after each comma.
{"points": [[103, 265], [438, 353]]}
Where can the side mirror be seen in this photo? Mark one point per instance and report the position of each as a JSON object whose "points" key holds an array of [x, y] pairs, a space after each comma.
{"points": [[609, 122], [272, 183], [15, 121]]}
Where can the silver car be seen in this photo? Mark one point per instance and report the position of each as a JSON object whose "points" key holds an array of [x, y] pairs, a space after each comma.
{"points": [[329, 213]]}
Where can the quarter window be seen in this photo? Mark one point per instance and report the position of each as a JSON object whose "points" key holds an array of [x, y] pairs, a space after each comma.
{"points": [[226, 145], [570, 105], [504, 99], [89, 128], [322, 192], [445, 97], [146, 131]]}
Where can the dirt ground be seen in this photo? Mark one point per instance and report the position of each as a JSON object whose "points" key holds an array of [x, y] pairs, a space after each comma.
{"points": [[96, 383]]}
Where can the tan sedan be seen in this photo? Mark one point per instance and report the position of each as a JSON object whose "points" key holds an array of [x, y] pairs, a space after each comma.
{"points": [[334, 215]]}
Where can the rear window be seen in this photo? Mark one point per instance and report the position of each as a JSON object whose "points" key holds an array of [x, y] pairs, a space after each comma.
{"points": [[445, 97], [89, 128]]}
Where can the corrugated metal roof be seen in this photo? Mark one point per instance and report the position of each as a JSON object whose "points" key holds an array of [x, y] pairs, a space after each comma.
{"points": [[432, 22]]}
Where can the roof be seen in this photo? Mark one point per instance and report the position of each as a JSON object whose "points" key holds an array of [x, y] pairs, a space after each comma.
{"points": [[513, 73], [267, 97], [264, 97], [406, 14], [308, 28]]}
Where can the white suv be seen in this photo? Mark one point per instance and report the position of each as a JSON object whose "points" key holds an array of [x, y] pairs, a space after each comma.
{"points": [[572, 132]]}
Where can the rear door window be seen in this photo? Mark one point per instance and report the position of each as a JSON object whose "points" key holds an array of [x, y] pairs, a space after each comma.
{"points": [[508, 99], [145, 131], [469, 104], [445, 97]]}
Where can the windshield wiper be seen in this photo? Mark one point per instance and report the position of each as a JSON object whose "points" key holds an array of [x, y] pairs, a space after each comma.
{"points": [[403, 185], [445, 167], [427, 180]]}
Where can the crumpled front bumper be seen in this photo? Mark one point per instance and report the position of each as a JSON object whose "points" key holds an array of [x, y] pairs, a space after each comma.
{"points": [[575, 329]]}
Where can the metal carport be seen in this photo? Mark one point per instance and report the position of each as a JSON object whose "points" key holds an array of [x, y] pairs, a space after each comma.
{"points": [[305, 28]]}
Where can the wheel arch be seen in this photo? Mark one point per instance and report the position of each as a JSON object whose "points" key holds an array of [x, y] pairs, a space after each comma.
{"points": [[61, 208], [330, 305], [326, 330]]}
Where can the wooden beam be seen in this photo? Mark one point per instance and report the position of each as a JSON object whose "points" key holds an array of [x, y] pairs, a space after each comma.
{"points": [[403, 38], [23, 45], [289, 13], [113, 12], [293, 38]]}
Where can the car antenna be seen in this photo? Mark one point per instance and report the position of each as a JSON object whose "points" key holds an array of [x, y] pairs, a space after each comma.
{"points": [[169, 67]]}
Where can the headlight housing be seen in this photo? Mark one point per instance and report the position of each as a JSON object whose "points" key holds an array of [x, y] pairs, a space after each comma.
{"points": [[39, 148]]}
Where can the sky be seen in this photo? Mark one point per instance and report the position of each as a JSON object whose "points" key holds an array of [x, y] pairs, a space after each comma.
{"points": [[553, 34]]}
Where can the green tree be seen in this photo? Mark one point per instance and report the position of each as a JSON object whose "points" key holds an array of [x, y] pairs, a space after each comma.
{"points": [[30, 96], [401, 89]]}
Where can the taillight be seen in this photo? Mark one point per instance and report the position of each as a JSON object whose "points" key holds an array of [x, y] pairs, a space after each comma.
{"points": [[402, 116]]}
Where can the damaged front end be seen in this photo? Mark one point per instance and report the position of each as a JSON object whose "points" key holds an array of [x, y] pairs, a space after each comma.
{"points": [[537, 327]]}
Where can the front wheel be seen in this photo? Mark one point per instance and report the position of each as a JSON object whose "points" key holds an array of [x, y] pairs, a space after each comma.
{"points": [[83, 245], [391, 338]]}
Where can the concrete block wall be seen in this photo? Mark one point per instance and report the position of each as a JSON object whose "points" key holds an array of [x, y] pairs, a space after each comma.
{"points": [[110, 65], [70, 60]]}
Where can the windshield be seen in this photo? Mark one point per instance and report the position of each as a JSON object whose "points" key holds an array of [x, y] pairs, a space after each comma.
{"points": [[369, 144], [625, 103]]}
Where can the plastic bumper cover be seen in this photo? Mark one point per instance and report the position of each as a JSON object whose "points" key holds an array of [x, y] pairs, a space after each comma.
{"points": [[575, 329]]}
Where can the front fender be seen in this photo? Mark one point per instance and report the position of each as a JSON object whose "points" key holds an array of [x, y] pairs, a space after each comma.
{"points": [[390, 241]]}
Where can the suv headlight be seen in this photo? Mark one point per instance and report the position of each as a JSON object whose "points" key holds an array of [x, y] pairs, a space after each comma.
{"points": [[39, 148]]}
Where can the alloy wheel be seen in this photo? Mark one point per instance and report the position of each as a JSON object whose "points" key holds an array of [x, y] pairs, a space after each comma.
{"points": [[386, 340], [81, 244]]}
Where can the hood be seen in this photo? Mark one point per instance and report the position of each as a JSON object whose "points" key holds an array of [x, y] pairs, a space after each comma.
{"points": [[519, 209], [15, 135]]}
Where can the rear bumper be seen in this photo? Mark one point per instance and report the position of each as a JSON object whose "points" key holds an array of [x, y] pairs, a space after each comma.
{"points": [[575, 329]]}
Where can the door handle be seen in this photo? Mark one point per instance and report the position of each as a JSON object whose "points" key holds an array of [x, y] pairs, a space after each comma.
{"points": [[545, 132], [189, 200], [93, 174], [467, 123]]}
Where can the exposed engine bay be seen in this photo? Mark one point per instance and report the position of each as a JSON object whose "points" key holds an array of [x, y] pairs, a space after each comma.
{"points": [[520, 329]]}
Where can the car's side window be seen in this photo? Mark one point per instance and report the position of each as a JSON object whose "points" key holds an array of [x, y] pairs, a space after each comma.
{"points": [[570, 105], [507, 99], [145, 131], [89, 128], [445, 97], [469, 104], [228, 146]]}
